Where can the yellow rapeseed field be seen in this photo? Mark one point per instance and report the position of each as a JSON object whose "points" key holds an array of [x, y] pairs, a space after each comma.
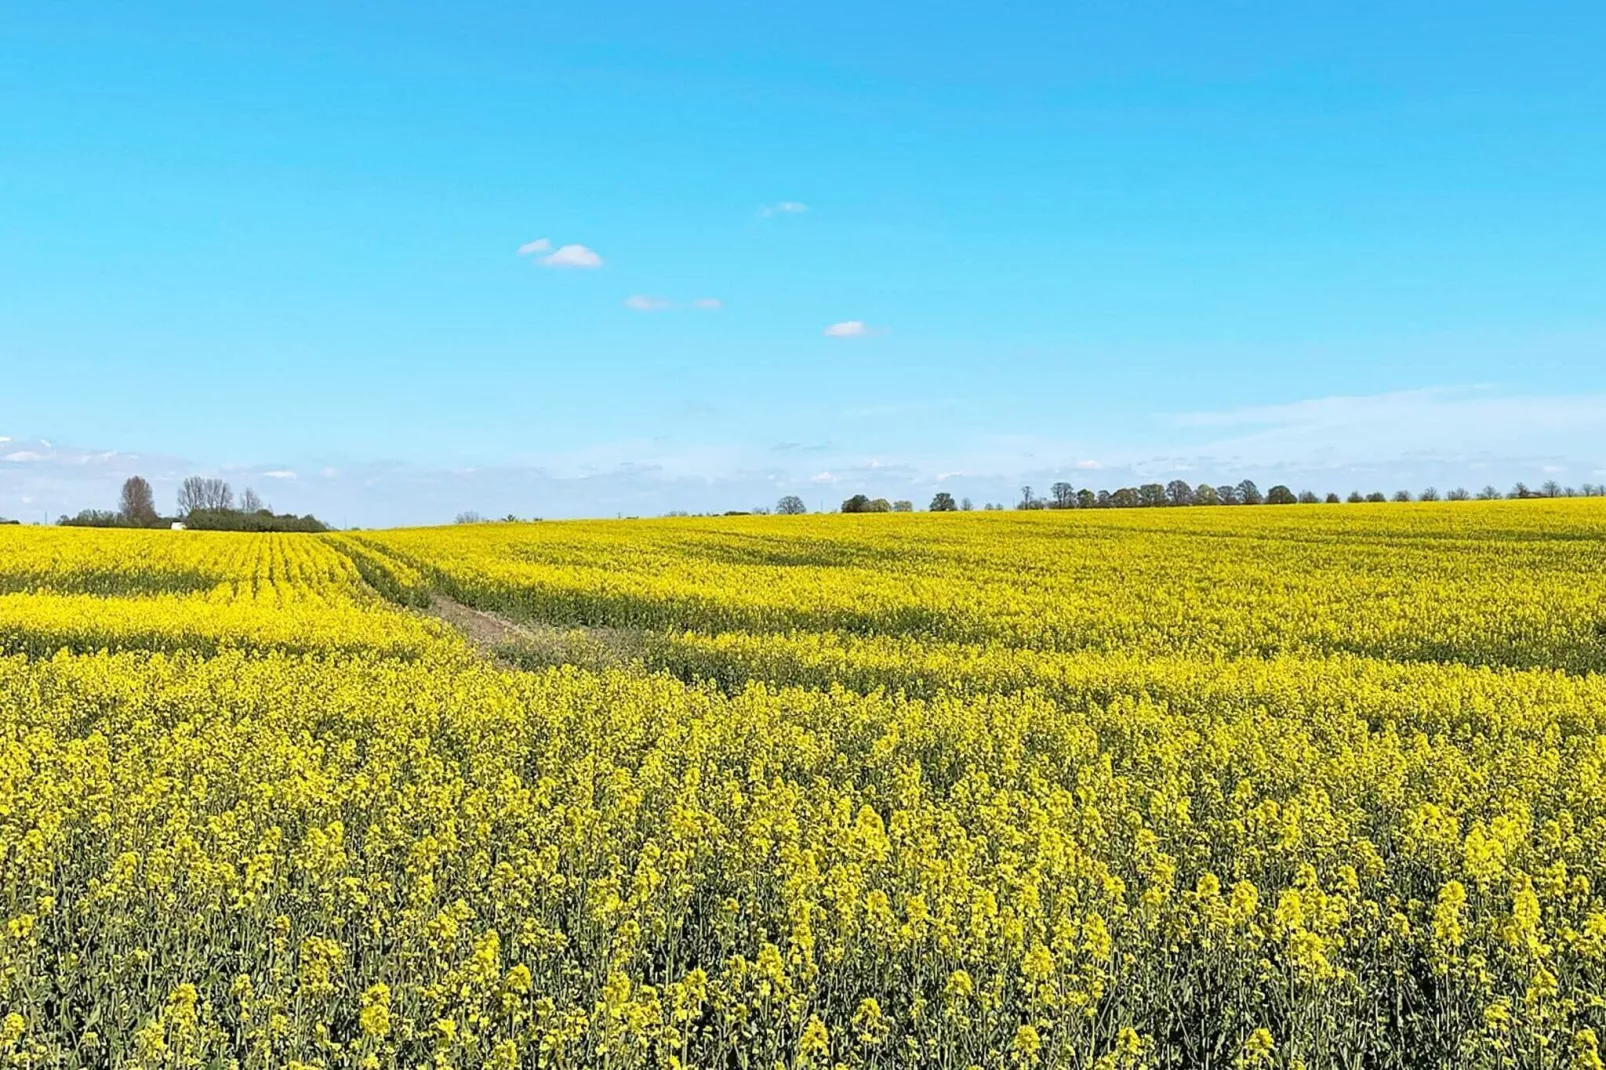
{"points": [[1316, 786]]}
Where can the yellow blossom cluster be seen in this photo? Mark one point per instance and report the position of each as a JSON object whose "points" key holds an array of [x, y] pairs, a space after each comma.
{"points": [[1304, 788]]}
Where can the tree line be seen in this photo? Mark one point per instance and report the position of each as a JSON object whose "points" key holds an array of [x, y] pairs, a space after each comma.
{"points": [[204, 504], [1180, 492]]}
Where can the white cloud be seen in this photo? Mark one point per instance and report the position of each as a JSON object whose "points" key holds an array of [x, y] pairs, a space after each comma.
{"points": [[709, 303], [572, 256], [643, 303], [24, 456], [852, 329], [784, 208], [539, 245], [329, 473], [279, 473]]}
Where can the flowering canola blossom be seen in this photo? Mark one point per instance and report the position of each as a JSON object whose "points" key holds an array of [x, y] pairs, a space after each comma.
{"points": [[1314, 787]]}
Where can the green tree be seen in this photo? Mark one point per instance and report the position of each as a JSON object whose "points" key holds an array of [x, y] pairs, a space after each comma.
{"points": [[943, 502]]}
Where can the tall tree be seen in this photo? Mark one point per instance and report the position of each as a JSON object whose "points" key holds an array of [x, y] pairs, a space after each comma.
{"points": [[1178, 492], [1026, 499], [250, 503], [1280, 495], [1063, 495], [859, 503], [137, 503], [943, 502], [1205, 494], [201, 493], [1227, 494], [1248, 493], [1151, 494], [791, 505]]}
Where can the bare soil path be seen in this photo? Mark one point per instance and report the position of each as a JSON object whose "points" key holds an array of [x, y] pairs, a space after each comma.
{"points": [[534, 646]]}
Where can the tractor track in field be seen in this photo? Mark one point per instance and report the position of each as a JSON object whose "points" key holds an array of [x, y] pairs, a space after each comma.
{"points": [[515, 645]]}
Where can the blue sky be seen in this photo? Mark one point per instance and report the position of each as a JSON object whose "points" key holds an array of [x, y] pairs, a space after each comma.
{"points": [[1099, 242]]}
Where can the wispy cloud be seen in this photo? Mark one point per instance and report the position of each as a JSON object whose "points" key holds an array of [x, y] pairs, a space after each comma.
{"points": [[279, 473], [1457, 425], [784, 208], [644, 303], [852, 329], [572, 256]]}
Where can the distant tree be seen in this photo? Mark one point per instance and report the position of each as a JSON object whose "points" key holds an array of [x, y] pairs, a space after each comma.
{"points": [[966, 505], [94, 518], [1308, 497], [1105, 500], [1205, 494], [1459, 494], [1248, 493], [1280, 495], [1377, 496], [137, 504], [1332, 499], [903, 505], [1026, 499], [1569, 492], [760, 510], [879, 505], [791, 505], [1521, 491], [197, 492], [1355, 496], [1430, 494], [1489, 493], [943, 502], [1086, 499], [1062, 496], [469, 516], [250, 503], [1151, 494], [1402, 495], [1126, 498], [859, 503], [1550, 489], [1178, 492], [1227, 494]]}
